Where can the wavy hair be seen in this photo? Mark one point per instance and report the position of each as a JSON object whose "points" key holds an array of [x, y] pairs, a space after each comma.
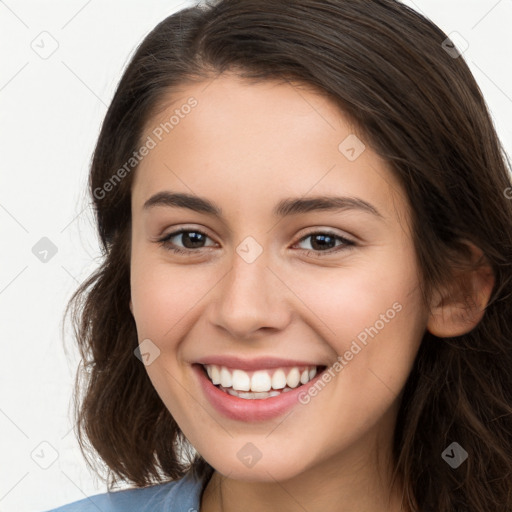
{"points": [[419, 107]]}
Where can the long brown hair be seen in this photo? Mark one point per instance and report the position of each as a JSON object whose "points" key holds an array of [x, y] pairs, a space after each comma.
{"points": [[419, 107]]}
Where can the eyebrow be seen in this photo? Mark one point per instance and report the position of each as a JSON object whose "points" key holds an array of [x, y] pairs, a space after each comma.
{"points": [[285, 207]]}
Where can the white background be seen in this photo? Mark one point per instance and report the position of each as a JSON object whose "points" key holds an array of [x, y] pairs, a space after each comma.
{"points": [[51, 111]]}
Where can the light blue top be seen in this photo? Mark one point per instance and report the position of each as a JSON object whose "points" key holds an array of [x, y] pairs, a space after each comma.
{"points": [[183, 495]]}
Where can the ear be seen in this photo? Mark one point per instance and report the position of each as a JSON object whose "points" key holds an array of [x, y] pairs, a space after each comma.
{"points": [[459, 307]]}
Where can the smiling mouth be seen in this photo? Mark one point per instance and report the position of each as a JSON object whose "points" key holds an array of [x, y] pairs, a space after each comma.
{"points": [[260, 384]]}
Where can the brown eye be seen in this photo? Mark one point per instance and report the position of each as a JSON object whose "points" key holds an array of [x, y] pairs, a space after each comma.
{"points": [[190, 238], [325, 242]]}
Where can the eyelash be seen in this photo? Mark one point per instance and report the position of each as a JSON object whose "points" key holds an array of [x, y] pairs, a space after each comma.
{"points": [[346, 243]]}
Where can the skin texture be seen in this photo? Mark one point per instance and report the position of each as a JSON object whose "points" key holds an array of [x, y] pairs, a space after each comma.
{"points": [[246, 146]]}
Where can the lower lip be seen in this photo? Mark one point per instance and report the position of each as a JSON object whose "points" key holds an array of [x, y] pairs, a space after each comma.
{"points": [[250, 410]]}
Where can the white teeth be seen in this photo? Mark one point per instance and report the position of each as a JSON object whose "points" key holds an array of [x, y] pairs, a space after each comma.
{"points": [[278, 379], [293, 378], [214, 374], [252, 396], [260, 381], [225, 378], [241, 381]]}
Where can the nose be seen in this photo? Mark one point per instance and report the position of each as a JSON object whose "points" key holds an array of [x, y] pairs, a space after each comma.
{"points": [[251, 298]]}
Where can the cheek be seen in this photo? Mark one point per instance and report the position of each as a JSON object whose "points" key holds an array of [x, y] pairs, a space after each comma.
{"points": [[370, 313], [347, 300], [163, 294], [371, 316], [166, 299]]}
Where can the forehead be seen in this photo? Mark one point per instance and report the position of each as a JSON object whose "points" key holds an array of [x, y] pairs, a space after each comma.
{"points": [[240, 141]]}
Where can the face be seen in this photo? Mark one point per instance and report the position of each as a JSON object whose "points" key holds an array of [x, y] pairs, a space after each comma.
{"points": [[307, 286]]}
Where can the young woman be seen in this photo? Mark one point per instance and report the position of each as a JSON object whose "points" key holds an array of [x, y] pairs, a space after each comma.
{"points": [[305, 301]]}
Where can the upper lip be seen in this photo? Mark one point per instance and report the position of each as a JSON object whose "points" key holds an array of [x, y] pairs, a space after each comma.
{"points": [[258, 363]]}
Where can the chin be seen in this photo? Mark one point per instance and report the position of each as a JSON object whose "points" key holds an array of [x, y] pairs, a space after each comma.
{"points": [[264, 470]]}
